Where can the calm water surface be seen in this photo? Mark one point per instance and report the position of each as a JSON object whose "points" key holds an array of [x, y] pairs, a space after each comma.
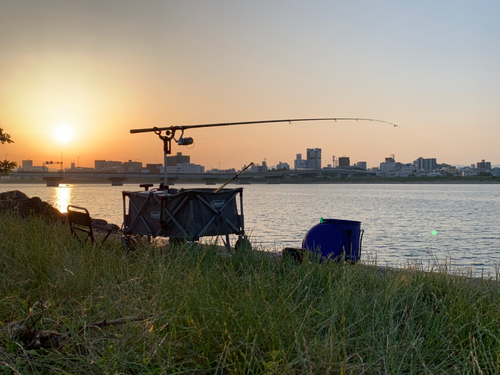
{"points": [[398, 220]]}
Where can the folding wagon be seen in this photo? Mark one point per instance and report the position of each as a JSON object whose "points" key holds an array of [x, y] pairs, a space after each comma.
{"points": [[184, 215]]}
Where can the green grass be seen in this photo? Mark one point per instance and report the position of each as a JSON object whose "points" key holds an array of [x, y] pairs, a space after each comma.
{"points": [[70, 308]]}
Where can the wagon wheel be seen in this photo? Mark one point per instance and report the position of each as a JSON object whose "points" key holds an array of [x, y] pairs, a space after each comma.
{"points": [[177, 241], [129, 243], [242, 243]]}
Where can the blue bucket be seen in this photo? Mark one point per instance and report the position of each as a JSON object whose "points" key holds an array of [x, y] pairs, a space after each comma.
{"points": [[334, 239]]}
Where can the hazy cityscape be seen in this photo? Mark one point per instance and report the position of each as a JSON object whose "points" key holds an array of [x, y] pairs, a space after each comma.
{"points": [[312, 160]]}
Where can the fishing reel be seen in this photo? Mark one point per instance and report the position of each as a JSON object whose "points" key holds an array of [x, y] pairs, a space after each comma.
{"points": [[167, 139], [185, 141]]}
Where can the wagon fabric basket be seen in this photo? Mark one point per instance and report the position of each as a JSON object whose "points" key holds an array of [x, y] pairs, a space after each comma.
{"points": [[187, 214]]}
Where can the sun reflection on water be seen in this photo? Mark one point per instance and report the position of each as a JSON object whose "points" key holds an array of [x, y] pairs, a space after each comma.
{"points": [[62, 197]]}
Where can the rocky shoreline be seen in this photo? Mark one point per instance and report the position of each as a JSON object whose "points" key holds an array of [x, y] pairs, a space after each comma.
{"points": [[19, 203]]}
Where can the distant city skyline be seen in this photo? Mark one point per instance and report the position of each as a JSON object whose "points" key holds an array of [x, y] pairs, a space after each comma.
{"points": [[180, 158]]}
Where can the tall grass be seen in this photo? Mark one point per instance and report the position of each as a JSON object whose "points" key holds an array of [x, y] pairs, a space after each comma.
{"points": [[67, 307]]}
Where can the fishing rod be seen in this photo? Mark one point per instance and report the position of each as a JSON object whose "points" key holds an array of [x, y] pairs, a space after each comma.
{"points": [[233, 178], [183, 127], [186, 141]]}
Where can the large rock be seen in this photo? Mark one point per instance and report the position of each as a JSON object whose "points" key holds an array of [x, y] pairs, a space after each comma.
{"points": [[13, 195], [18, 202]]}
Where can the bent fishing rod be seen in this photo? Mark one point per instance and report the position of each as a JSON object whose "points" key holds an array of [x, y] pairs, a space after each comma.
{"points": [[186, 141], [171, 130], [184, 127]]}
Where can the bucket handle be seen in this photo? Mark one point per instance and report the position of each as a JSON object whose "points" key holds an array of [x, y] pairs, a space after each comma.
{"points": [[349, 243], [361, 240], [349, 233]]}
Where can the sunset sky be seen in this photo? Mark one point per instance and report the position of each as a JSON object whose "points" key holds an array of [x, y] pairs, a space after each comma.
{"points": [[100, 68]]}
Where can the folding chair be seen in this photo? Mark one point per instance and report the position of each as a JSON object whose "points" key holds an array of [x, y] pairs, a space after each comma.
{"points": [[79, 220]]}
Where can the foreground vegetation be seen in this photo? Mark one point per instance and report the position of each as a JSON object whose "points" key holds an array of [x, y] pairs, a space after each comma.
{"points": [[72, 308]]}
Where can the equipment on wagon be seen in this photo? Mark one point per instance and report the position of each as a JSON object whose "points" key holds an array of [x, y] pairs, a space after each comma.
{"points": [[189, 214]]}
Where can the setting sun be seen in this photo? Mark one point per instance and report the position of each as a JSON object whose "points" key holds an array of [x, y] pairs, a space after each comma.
{"points": [[63, 133]]}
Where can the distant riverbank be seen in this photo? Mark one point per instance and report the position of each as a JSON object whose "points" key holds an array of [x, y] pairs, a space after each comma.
{"points": [[291, 180], [412, 180]]}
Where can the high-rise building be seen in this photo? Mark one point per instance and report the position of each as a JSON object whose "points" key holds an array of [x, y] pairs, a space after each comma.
{"points": [[172, 161], [101, 164], [133, 166], [483, 166], [184, 168], [425, 164], [388, 167], [154, 168], [361, 164], [313, 158], [27, 165], [259, 168], [264, 166], [299, 163], [281, 165], [344, 161]]}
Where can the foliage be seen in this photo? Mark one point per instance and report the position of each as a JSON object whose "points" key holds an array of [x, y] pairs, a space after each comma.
{"points": [[6, 166], [443, 165], [67, 307], [4, 137]]}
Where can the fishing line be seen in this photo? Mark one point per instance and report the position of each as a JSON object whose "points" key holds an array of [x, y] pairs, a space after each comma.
{"points": [[241, 132]]}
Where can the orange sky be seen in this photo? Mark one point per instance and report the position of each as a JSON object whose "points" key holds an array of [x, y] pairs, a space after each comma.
{"points": [[103, 68]]}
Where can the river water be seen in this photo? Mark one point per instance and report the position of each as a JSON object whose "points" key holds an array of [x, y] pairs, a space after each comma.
{"points": [[456, 223]]}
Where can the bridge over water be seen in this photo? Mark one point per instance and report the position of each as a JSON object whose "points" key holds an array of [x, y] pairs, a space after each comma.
{"points": [[117, 179]]}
